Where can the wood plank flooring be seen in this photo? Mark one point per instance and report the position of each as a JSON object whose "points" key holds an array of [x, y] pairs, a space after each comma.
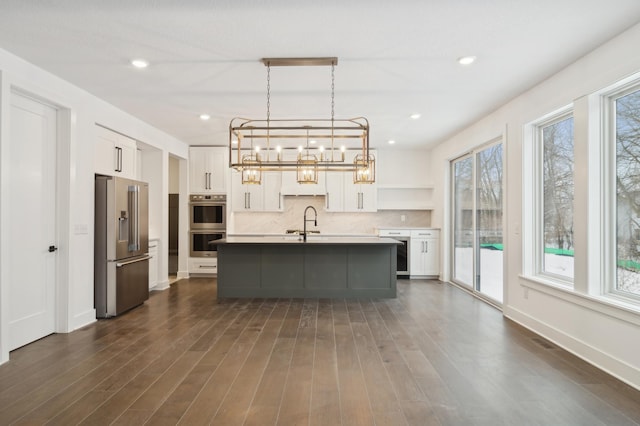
{"points": [[433, 356]]}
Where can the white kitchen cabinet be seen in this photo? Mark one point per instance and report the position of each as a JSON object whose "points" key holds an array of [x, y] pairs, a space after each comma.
{"points": [[360, 197], [334, 197], [115, 154], [265, 197], [208, 169], [153, 263], [425, 253], [342, 195], [245, 197], [203, 266], [271, 195]]}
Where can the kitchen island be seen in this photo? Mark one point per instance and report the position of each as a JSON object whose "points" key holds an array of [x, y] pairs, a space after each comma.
{"points": [[326, 267]]}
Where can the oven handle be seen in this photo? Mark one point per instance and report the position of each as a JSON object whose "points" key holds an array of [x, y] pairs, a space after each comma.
{"points": [[207, 203]]}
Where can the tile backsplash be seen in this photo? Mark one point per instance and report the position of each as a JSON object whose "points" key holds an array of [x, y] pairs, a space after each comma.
{"points": [[328, 222]]}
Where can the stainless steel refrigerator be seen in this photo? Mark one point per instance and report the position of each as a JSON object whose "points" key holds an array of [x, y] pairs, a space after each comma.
{"points": [[121, 276]]}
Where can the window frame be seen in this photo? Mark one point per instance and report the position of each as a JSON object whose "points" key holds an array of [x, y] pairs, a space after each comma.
{"points": [[533, 202], [608, 99]]}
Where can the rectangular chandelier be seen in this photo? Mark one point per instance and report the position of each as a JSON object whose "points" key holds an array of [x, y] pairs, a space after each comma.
{"points": [[305, 146], [301, 145]]}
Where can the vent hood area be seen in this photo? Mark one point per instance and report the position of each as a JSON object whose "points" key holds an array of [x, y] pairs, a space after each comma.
{"points": [[290, 186]]}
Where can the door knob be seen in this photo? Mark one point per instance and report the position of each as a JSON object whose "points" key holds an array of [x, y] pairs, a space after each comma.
{"points": [[52, 249]]}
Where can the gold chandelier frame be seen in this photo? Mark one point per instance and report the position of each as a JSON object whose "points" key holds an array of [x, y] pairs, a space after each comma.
{"points": [[305, 146]]}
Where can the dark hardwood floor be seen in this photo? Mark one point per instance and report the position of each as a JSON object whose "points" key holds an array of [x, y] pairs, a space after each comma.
{"points": [[433, 356]]}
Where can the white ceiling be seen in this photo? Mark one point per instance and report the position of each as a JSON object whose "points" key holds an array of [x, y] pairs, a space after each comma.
{"points": [[395, 58]]}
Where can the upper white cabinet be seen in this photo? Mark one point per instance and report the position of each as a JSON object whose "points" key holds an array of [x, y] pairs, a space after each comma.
{"points": [[272, 195], [334, 197], [424, 253], [265, 197], [115, 154], [208, 169], [342, 195], [360, 197]]}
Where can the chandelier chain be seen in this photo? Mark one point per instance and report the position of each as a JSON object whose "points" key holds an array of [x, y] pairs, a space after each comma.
{"points": [[268, 93], [333, 87]]}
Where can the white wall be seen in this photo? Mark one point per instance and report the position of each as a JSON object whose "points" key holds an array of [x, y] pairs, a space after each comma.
{"points": [[606, 336], [174, 175], [398, 167], [75, 250]]}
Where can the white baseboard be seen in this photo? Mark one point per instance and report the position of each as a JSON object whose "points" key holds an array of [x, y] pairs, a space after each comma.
{"points": [[162, 285], [83, 319], [183, 274], [617, 368]]}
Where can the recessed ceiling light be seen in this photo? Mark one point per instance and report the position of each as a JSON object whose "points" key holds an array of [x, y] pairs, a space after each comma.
{"points": [[204, 117], [139, 63], [415, 116], [466, 60], [391, 142]]}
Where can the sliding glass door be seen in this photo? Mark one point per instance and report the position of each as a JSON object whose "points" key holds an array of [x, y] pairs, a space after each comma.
{"points": [[478, 221], [462, 170]]}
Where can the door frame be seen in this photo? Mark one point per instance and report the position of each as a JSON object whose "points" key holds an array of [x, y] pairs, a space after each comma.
{"points": [[64, 176]]}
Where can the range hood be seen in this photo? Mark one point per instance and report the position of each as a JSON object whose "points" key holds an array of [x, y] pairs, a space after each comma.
{"points": [[290, 186]]}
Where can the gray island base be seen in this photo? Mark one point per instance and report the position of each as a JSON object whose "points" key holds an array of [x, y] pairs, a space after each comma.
{"points": [[323, 267]]}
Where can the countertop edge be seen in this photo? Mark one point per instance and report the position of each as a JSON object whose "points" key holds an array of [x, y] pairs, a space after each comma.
{"points": [[310, 241]]}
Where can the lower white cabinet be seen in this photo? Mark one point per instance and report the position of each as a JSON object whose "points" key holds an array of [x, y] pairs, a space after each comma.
{"points": [[203, 265], [153, 263], [424, 253]]}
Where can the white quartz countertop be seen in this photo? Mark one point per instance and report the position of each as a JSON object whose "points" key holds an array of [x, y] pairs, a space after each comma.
{"points": [[406, 228], [311, 239], [311, 234]]}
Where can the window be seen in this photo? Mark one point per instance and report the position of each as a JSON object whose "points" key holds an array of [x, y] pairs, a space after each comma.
{"points": [[581, 201], [626, 128], [557, 255], [548, 178]]}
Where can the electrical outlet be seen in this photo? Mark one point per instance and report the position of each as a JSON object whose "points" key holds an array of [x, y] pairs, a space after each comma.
{"points": [[403, 218]]}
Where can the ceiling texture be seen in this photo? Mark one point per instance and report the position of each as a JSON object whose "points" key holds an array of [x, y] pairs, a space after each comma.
{"points": [[394, 58]]}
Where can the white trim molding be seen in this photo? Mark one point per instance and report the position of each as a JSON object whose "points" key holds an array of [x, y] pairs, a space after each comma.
{"points": [[602, 360]]}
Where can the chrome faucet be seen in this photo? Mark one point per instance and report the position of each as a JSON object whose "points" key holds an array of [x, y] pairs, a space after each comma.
{"points": [[314, 220]]}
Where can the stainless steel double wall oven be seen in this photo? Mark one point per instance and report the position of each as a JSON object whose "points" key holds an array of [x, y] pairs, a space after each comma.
{"points": [[207, 223]]}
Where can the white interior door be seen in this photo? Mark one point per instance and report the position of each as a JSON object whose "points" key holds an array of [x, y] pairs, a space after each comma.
{"points": [[32, 219]]}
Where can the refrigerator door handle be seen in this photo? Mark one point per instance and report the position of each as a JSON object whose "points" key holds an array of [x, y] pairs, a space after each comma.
{"points": [[142, 259], [134, 226]]}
